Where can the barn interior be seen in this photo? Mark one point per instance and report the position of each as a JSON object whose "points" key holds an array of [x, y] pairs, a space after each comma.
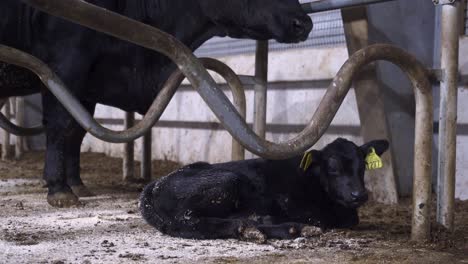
{"points": [[283, 86]]}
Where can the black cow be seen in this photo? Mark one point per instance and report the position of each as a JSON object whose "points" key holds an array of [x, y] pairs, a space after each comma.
{"points": [[101, 69], [275, 198]]}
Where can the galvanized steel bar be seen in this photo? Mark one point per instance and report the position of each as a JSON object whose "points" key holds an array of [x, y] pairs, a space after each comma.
{"points": [[250, 80], [52, 82], [450, 32], [6, 151], [14, 129], [128, 166], [238, 93], [19, 117], [326, 5], [260, 90], [236, 125], [146, 153], [55, 85], [422, 178]]}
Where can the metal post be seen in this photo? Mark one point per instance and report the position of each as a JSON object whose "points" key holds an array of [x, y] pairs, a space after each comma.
{"points": [[320, 6], [19, 116], [6, 152], [146, 156], [422, 180], [129, 152], [448, 114], [260, 90]]}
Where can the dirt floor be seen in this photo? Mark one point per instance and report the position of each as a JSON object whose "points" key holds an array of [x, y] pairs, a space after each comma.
{"points": [[107, 228]]}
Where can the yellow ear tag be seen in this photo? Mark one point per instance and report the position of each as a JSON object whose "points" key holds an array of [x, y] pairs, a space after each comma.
{"points": [[306, 161], [373, 161]]}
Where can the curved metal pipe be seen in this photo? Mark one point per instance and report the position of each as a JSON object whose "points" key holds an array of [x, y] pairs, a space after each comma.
{"points": [[317, 127], [238, 94], [146, 36], [10, 127], [83, 117]]}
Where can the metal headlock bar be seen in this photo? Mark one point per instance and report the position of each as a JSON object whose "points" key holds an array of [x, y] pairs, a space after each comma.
{"points": [[320, 6], [10, 127], [146, 36]]}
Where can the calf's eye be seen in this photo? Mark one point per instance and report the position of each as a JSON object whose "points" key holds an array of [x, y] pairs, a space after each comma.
{"points": [[334, 165]]}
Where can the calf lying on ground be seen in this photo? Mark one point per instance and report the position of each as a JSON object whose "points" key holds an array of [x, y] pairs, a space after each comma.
{"points": [[275, 198]]}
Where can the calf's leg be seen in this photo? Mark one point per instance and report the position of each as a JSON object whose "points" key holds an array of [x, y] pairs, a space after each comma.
{"points": [[216, 228], [282, 231]]}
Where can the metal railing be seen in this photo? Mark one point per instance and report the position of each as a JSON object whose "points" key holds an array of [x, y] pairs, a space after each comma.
{"points": [[450, 32], [124, 28]]}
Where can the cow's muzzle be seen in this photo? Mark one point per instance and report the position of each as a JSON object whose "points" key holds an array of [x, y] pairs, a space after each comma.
{"points": [[301, 27]]}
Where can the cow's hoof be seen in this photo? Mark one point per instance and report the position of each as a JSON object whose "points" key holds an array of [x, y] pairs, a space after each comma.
{"points": [[63, 199], [311, 231], [81, 191], [252, 234]]}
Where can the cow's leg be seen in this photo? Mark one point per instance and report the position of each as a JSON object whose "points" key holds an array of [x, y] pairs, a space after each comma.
{"points": [[72, 156], [70, 58], [58, 124], [63, 134]]}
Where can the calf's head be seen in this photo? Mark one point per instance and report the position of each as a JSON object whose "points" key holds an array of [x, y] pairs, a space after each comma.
{"points": [[341, 170], [282, 20]]}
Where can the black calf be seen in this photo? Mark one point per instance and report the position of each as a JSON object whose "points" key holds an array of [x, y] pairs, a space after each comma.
{"points": [[275, 198]]}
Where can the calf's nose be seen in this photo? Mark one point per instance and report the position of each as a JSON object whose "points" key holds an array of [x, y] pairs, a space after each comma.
{"points": [[359, 196]]}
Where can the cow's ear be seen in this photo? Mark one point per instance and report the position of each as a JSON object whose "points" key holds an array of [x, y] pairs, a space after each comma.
{"points": [[380, 146]]}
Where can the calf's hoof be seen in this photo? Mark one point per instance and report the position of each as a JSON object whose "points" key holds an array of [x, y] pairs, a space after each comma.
{"points": [[62, 199], [81, 191], [252, 234], [311, 231]]}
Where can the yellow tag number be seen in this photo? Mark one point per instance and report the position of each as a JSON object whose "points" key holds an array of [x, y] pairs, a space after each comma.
{"points": [[373, 161]]}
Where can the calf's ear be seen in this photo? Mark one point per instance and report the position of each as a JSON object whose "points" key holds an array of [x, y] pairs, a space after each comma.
{"points": [[308, 158], [380, 146]]}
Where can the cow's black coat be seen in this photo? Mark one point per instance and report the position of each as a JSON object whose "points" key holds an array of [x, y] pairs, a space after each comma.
{"points": [[101, 69], [275, 197]]}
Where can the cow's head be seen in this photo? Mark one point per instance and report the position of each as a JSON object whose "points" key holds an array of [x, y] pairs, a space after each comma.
{"points": [[282, 20], [341, 167]]}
